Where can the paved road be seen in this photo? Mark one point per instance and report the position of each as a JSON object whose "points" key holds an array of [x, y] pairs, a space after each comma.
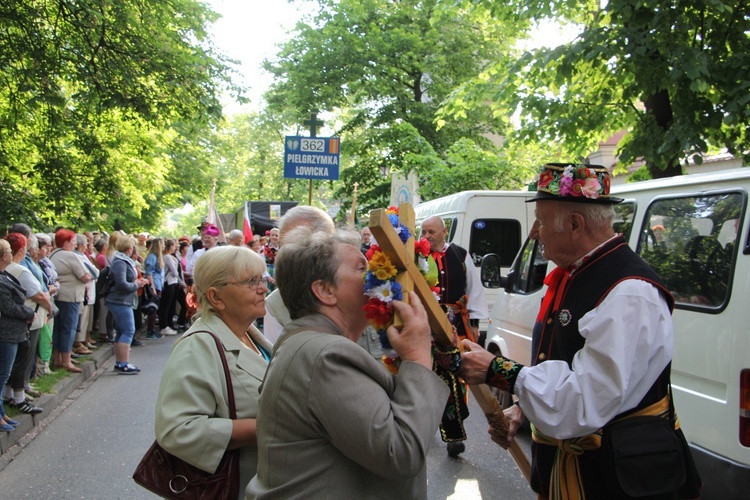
{"points": [[90, 448]]}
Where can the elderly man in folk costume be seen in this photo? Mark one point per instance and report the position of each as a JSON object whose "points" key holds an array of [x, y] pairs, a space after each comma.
{"points": [[601, 357]]}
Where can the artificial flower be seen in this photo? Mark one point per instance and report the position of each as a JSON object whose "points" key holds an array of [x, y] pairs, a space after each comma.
{"points": [[380, 265], [373, 248], [591, 188], [545, 178], [379, 313], [386, 292], [422, 247]]}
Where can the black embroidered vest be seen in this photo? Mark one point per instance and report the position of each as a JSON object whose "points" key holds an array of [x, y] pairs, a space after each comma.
{"points": [[452, 275], [557, 337]]}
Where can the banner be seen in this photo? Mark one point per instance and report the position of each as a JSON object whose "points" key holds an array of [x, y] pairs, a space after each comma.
{"points": [[213, 216]]}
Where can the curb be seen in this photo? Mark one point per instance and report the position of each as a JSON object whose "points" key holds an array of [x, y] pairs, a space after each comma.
{"points": [[11, 443]]}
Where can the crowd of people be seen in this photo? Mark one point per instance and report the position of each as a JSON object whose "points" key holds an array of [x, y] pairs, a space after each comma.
{"points": [[63, 294], [313, 414]]}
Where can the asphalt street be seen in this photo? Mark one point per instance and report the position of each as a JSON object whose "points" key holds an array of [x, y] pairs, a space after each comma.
{"points": [[89, 447]]}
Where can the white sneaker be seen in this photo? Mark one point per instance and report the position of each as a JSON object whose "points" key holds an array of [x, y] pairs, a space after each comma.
{"points": [[168, 331]]}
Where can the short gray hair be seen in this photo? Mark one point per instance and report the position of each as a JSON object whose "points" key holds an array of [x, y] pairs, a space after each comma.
{"points": [[598, 217], [221, 265], [44, 238], [236, 234], [305, 215], [81, 239], [308, 256]]}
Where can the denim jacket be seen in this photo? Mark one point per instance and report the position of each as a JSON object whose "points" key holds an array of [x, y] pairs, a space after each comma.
{"points": [[122, 273]]}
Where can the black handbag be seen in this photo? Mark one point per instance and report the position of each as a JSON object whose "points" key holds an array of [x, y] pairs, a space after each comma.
{"points": [[646, 453], [171, 477]]}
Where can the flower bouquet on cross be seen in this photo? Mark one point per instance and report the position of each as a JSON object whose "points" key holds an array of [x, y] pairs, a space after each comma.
{"points": [[382, 288]]}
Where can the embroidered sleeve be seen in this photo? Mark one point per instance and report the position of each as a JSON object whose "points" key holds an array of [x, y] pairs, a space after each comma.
{"points": [[502, 373]]}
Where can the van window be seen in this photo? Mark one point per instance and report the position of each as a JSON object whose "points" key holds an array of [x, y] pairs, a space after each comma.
{"points": [[451, 227], [498, 236], [691, 243], [623, 222], [531, 268]]}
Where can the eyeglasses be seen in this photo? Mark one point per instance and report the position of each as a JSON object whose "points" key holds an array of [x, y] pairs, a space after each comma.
{"points": [[252, 282]]}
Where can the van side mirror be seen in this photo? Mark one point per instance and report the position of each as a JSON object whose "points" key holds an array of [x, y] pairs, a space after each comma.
{"points": [[490, 272]]}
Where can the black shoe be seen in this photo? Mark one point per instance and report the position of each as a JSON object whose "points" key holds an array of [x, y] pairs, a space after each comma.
{"points": [[455, 448], [136, 343], [127, 369], [26, 406]]}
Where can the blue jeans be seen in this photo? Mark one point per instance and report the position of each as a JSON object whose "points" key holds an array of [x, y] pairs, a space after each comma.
{"points": [[7, 357], [66, 322], [124, 322]]}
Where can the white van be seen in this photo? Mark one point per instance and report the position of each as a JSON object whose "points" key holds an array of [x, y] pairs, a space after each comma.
{"points": [[693, 230], [483, 222]]}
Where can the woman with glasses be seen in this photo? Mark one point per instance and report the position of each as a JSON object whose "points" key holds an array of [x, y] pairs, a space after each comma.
{"points": [[192, 416]]}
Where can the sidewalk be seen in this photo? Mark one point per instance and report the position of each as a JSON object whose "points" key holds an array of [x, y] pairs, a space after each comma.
{"points": [[12, 443]]}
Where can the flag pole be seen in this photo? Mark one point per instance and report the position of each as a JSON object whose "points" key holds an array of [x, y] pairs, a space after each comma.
{"points": [[353, 217]]}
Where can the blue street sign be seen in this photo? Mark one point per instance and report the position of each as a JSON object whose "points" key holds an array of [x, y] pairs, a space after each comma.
{"points": [[311, 157]]}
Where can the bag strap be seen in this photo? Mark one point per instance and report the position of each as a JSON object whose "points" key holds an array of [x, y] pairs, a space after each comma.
{"points": [[225, 365]]}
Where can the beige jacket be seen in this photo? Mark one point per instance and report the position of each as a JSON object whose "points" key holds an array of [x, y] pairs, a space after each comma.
{"points": [[70, 270], [192, 412]]}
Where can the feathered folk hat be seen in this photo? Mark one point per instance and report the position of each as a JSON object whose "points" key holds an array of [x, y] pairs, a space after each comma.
{"points": [[574, 182]]}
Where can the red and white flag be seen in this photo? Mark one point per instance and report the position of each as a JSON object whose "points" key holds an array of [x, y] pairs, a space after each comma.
{"points": [[246, 226]]}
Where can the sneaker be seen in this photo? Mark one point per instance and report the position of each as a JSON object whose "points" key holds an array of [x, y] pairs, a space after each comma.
{"points": [[127, 369], [26, 406], [136, 343], [6, 428], [167, 331], [154, 336]]}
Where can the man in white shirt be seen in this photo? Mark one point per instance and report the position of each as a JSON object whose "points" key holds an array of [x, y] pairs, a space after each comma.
{"points": [[210, 238], [601, 345]]}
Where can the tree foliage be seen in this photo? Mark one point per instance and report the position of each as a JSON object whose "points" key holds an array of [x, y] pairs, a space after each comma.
{"points": [[107, 109], [674, 74], [383, 67]]}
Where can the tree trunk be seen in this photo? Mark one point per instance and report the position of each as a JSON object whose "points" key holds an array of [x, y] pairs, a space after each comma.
{"points": [[660, 106]]}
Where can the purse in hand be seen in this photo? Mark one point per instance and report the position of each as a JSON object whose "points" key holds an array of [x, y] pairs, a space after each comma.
{"points": [[171, 477]]}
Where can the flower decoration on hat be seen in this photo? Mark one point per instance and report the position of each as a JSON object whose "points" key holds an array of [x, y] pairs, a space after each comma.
{"points": [[574, 182]]}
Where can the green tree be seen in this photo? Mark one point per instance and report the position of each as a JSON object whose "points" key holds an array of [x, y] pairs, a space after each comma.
{"points": [[106, 108], [251, 165], [383, 67], [674, 74]]}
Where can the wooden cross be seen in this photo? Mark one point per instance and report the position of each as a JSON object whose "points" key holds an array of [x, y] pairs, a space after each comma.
{"points": [[410, 278]]}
